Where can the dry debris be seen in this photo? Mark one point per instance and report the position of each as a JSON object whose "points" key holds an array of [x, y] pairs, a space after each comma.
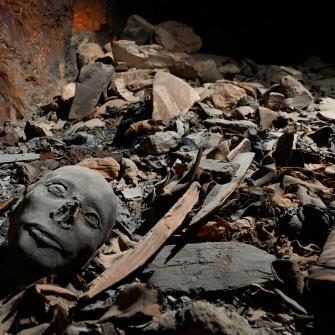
{"points": [[229, 162]]}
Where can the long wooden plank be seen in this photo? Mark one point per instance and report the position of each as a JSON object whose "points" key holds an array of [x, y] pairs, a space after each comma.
{"points": [[219, 193], [135, 258]]}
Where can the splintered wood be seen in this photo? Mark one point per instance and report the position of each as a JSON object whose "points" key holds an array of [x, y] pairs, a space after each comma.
{"points": [[133, 259]]}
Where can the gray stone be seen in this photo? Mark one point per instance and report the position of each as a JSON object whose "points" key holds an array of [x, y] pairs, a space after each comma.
{"points": [[160, 143], [93, 80], [210, 267], [201, 317]]}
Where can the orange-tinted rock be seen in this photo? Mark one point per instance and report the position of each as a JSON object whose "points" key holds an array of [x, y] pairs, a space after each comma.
{"points": [[33, 51]]}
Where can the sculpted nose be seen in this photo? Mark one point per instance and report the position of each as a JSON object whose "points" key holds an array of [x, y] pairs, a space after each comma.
{"points": [[66, 214]]}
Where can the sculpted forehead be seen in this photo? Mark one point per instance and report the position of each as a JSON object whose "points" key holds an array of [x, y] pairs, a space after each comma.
{"points": [[89, 184]]}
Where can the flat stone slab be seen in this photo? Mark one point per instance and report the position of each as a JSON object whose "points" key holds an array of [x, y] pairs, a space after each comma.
{"points": [[210, 267]]}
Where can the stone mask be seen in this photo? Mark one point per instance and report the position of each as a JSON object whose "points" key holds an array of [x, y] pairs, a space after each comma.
{"points": [[62, 221]]}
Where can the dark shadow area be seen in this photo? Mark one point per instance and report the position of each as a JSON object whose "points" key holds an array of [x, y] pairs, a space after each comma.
{"points": [[276, 32]]}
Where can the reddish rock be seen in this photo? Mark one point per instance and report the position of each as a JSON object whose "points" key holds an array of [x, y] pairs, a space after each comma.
{"points": [[226, 96], [32, 59]]}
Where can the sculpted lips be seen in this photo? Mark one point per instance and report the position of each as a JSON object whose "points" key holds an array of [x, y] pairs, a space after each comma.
{"points": [[43, 237]]}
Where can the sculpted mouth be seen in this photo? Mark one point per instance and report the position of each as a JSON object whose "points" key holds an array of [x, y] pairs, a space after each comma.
{"points": [[43, 237]]}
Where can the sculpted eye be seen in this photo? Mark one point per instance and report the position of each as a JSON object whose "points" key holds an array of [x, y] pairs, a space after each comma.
{"points": [[58, 190], [93, 220]]}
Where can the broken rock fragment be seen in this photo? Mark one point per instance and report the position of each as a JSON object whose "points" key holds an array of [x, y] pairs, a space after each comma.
{"points": [[210, 267], [327, 108], [177, 37], [172, 96], [275, 101], [160, 142], [108, 167], [296, 93], [226, 95], [138, 29], [87, 53], [93, 80], [200, 317], [266, 117]]}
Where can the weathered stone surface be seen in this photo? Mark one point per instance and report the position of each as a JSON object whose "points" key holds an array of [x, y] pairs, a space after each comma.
{"points": [[266, 117], [219, 168], [68, 91], [177, 37], [154, 56], [88, 53], [141, 57], [240, 125], [93, 80], [33, 61], [296, 93], [327, 108], [129, 83], [210, 267], [226, 95], [34, 129], [208, 71], [138, 29], [229, 69], [275, 101], [160, 142], [172, 96], [200, 317]]}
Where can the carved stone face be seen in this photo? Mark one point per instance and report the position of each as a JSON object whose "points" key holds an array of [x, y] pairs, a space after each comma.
{"points": [[62, 220]]}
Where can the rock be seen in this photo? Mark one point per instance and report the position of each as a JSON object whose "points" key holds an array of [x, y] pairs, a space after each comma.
{"points": [[229, 69], [226, 96], [141, 57], [266, 117], [115, 103], [210, 268], [87, 53], [35, 55], [160, 142], [138, 29], [247, 100], [177, 37], [108, 167], [208, 71], [274, 101], [238, 125], [68, 91], [296, 93], [245, 111], [172, 96], [327, 108], [154, 57], [94, 123], [93, 80], [218, 168], [200, 317], [33, 129], [12, 135], [131, 82], [132, 192]]}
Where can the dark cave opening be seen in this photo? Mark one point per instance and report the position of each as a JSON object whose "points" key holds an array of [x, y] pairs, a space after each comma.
{"points": [[282, 32]]}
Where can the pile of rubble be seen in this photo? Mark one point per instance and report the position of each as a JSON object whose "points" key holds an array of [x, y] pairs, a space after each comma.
{"points": [[224, 173]]}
